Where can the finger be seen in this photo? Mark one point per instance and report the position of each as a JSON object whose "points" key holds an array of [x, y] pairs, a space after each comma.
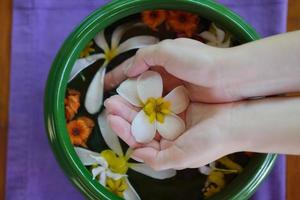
{"points": [[122, 129], [117, 105], [113, 78], [169, 158], [147, 57]]}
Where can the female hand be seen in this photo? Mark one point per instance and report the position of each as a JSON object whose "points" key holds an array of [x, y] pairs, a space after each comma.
{"points": [[206, 139], [180, 61]]}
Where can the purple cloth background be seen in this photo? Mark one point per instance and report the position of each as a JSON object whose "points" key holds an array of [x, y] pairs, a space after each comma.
{"points": [[39, 28]]}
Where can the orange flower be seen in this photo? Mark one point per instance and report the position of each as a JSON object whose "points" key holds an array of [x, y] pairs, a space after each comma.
{"points": [[154, 18], [72, 104], [183, 22], [79, 130]]}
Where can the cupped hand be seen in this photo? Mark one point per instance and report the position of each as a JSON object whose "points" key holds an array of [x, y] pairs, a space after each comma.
{"points": [[184, 61], [206, 139]]}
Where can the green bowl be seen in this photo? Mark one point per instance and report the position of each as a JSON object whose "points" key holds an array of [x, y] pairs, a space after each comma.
{"points": [[242, 187]]}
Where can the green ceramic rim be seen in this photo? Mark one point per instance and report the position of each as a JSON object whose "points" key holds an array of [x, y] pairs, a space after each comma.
{"points": [[241, 188]]}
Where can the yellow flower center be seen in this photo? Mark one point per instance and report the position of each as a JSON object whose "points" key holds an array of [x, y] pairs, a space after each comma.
{"points": [[116, 186], [157, 109], [87, 50], [110, 54], [117, 164]]}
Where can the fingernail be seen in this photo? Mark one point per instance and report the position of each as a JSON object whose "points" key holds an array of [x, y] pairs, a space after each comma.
{"points": [[137, 159]]}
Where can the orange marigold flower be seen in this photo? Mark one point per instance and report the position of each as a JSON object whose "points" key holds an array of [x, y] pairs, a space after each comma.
{"points": [[183, 22], [72, 104], [154, 18], [79, 130]]}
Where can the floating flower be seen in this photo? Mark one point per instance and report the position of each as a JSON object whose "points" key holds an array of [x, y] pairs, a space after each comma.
{"points": [[111, 165], [154, 18], [216, 37], [94, 95], [157, 113], [72, 104], [79, 130], [183, 22], [215, 181]]}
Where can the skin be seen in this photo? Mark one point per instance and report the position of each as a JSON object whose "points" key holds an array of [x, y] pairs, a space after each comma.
{"points": [[221, 119]]}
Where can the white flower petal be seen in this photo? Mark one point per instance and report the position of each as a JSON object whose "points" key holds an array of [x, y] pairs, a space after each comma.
{"points": [[226, 44], [172, 127], [179, 99], [208, 36], [206, 170], [86, 156], [94, 95], [100, 160], [149, 84], [130, 193], [102, 179], [83, 63], [148, 171], [96, 171], [219, 33], [101, 41], [120, 31], [136, 43], [128, 90], [114, 176], [109, 136], [142, 130]]}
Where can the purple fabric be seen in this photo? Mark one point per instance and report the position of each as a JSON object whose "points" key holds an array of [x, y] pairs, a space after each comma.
{"points": [[39, 28]]}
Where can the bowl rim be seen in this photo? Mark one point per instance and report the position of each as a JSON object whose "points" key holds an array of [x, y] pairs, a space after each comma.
{"points": [[56, 86]]}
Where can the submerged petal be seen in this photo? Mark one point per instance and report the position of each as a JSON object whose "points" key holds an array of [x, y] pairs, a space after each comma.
{"points": [[219, 33], [96, 171], [178, 98], [94, 94], [86, 156], [115, 176], [142, 130], [172, 127], [101, 41], [226, 44], [137, 42], [149, 85], [128, 90], [109, 136], [120, 31], [208, 36], [100, 160], [130, 193], [83, 63], [148, 171], [102, 179]]}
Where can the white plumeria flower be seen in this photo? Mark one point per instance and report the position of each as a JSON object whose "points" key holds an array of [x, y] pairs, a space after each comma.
{"points": [[88, 158], [94, 95], [157, 113], [216, 37]]}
